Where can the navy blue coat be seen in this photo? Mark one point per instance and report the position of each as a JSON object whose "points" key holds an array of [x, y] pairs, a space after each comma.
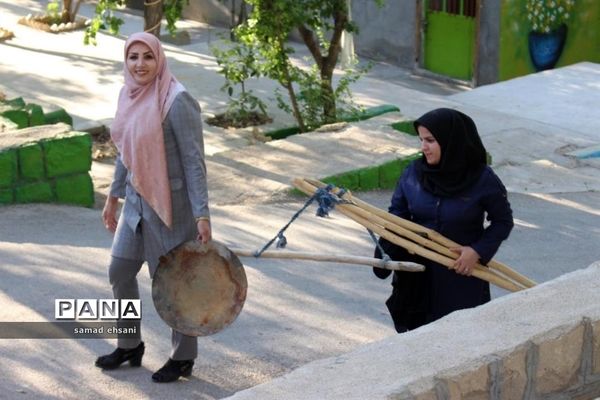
{"points": [[420, 298]]}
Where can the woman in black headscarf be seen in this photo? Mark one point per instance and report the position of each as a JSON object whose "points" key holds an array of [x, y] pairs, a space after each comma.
{"points": [[450, 189]]}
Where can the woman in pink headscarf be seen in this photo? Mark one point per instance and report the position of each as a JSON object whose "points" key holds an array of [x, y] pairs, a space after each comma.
{"points": [[160, 172]]}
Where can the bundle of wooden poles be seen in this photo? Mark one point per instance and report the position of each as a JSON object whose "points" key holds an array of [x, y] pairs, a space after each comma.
{"points": [[413, 237]]}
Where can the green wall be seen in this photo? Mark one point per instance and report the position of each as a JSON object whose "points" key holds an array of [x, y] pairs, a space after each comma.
{"points": [[582, 43], [54, 169]]}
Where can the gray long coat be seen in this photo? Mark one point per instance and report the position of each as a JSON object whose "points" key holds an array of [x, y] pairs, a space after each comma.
{"points": [[141, 235]]}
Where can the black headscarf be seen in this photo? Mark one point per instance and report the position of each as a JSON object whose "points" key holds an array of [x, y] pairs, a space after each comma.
{"points": [[463, 155]]}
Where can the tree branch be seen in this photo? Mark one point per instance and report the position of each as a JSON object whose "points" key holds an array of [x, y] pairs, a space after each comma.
{"points": [[340, 18], [311, 42]]}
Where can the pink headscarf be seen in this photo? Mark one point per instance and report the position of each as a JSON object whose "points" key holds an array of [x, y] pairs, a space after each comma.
{"points": [[137, 128]]}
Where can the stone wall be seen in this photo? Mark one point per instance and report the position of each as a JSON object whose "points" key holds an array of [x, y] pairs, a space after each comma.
{"points": [[541, 343], [48, 163], [386, 32]]}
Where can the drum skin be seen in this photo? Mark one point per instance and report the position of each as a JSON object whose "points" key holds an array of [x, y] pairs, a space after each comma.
{"points": [[199, 289]]}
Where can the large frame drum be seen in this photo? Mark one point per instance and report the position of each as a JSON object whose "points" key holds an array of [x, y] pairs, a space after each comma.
{"points": [[199, 289]]}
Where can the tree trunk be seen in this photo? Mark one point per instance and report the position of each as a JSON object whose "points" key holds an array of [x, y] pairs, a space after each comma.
{"points": [[295, 109], [237, 19], [285, 70], [243, 16], [66, 11], [290, 88], [340, 19], [153, 14], [327, 63], [328, 96], [232, 24]]}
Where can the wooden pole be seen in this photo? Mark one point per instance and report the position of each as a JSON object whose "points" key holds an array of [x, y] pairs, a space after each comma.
{"points": [[336, 258]]}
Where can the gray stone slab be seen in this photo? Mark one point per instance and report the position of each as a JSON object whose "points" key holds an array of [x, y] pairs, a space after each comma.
{"points": [[563, 97], [23, 136]]}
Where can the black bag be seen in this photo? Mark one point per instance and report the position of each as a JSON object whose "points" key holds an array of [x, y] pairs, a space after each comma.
{"points": [[408, 303]]}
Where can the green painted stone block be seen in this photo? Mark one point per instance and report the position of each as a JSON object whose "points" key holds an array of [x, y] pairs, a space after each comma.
{"points": [[8, 167], [368, 178], [36, 114], [14, 104], [405, 127], [389, 174], [19, 117], [68, 154], [296, 193], [404, 162], [368, 113], [17, 102], [282, 133], [7, 196], [347, 180], [76, 189], [57, 116], [31, 162], [39, 192]]}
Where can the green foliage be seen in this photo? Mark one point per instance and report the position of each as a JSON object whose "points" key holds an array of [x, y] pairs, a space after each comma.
{"points": [[267, 31], [237, 64], [105, 18], [53, 11], [67, 12], [312, 98], [343, 94], [242, 107], [172, 11]]}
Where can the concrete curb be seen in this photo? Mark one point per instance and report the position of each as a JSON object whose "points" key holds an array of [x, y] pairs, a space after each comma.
{"points": [[532, 344]]}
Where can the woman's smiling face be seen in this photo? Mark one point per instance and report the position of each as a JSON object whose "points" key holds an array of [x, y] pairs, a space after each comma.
{"points": [[141, 63]]}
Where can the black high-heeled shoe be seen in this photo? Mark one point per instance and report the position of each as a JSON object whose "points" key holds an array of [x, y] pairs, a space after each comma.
{"points": [[119, 356], [173, 370]]}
